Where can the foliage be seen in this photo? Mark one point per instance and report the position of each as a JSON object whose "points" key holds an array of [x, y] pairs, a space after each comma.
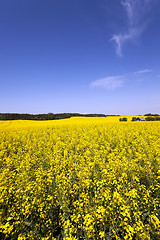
{"points": [[153, 118], [79, 178], [48, 116], [124, 119], [134, 119], [151, 114]]}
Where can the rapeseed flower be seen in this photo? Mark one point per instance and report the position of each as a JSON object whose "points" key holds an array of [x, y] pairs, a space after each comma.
{"points": [[80, 178]]}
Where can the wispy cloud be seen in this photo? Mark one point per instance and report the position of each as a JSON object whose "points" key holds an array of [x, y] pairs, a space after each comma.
{"points": [[129, 6], [144, 71], [120, 39], [114, 82], [110, 83], [136, 23]]}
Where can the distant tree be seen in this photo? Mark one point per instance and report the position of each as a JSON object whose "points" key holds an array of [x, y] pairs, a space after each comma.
{"points": [[151, 118], [151, 114], [134, 119], [123, 119]]}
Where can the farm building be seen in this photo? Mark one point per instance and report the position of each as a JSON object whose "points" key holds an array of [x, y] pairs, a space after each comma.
{"points": [[139, 119]]}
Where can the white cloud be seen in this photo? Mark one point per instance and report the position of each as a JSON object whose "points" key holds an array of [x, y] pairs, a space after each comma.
{"points": [[110, 83], [129, 6], [113, 82], [144, 71], [120, 39], [136, 23]]}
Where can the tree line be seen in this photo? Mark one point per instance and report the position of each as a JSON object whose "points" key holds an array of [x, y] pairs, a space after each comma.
{"points": [[56, 116], [149, 118], [48, 116], [156, 118], [151, 114]]}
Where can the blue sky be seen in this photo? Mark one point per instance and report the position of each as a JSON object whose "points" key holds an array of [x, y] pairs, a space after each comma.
{"points": [[87, 56]]}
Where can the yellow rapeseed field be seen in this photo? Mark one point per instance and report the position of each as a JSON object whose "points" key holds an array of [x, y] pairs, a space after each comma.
{"points": [[79, 178]]}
